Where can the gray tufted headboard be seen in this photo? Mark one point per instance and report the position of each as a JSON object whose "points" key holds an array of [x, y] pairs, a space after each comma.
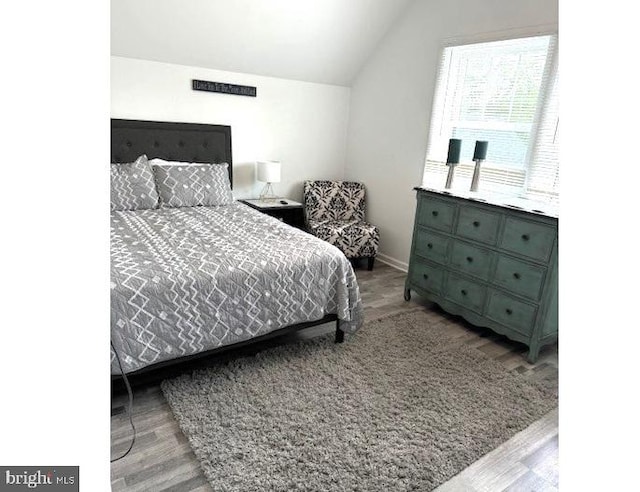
{"points": [[188, 142]]}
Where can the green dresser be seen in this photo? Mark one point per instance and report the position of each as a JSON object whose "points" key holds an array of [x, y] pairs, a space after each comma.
{"points": [[494, 265]]}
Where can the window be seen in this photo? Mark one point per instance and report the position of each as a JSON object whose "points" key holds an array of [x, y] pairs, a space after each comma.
{"points": [[505, 92]]}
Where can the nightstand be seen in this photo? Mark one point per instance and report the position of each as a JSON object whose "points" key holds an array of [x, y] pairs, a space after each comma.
{"points": [[291, 213]]}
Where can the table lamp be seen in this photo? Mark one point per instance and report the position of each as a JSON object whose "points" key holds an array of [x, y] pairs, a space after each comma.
{"points": [[268, 172], [453, 159], [479, 156]]}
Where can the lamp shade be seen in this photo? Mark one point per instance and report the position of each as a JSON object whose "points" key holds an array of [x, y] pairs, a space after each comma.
{"points": [[480, 152], [453, 156], [269, 171]]}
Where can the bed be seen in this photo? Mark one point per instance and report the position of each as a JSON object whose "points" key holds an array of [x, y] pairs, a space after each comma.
{"points": [[194, 280]]}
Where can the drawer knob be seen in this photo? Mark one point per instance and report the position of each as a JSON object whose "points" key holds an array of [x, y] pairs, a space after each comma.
{"points": [[430, 246], [426, 277], [525, 237], [434, 213], [469, 259], [476, 223], [463, 292], [516, 275], [508, 311]]}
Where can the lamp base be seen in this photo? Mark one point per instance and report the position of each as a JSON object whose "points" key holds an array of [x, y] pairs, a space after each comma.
{"points": [[475, 181], [450, 175], [267, 194]]}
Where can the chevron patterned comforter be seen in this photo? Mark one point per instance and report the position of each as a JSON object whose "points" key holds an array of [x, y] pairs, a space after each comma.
{"points": [[187, 280]]}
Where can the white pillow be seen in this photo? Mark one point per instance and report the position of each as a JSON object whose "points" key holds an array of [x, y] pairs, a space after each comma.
{"points": [[156, 161]]}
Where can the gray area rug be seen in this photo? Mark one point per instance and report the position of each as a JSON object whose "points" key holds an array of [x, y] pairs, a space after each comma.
{"points": [[401, 405]]}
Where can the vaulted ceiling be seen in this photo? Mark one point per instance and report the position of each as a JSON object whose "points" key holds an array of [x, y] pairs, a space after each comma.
{"points": [[325, 41]]}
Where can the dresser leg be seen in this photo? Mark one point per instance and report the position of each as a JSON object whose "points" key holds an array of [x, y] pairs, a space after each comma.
{"points": [[534, 351], [407, 295]]}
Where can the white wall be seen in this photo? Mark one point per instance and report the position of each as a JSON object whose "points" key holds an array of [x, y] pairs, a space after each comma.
{"points": [[301, 124], [391, 102]]}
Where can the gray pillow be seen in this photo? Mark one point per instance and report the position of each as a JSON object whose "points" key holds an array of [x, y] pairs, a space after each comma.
{"points": [[132, 186], [194, 184]]}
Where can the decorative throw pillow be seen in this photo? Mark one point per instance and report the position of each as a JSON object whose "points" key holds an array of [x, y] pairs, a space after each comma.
{"points": [[193, 185], [132, 186]]}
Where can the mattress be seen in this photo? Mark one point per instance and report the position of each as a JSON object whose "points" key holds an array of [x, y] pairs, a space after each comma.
{"points": [[187, 280]]}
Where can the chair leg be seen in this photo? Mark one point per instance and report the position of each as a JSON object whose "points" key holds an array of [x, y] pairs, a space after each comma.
{"points": [[370, 261], [339, 334]]}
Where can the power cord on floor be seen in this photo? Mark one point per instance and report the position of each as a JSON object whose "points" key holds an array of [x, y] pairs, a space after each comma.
{"points": [[130, 412]]}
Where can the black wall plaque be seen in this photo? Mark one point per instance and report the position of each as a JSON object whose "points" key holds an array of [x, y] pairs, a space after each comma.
{"points": [[238, 90]]}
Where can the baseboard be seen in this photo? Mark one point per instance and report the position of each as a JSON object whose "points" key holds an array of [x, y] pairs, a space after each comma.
{"points": [[392, 262]]}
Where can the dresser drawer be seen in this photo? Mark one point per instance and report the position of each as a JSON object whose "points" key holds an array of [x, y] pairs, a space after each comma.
{"points": [[471, 260], [527, 238], [510, 312], [432, 246], [427, 277], [478, 224], [519, 277], [465, 292], [436, 214]]}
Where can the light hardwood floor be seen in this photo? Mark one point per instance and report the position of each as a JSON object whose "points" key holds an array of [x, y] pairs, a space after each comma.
{"points": [[161, 459]]}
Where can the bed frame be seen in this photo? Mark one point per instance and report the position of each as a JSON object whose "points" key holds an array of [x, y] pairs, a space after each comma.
{"points": [[187, 142]]}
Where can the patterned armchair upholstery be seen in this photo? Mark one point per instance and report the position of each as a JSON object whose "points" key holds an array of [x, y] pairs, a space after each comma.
{"points": [[335, 212]]}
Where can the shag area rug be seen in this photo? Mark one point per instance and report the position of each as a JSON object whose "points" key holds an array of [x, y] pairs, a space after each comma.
{"points": [[401, 405]]}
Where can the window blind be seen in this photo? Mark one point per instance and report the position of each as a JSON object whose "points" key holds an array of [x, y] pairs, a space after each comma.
{"points": [[504, 92], [543, 177]]}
